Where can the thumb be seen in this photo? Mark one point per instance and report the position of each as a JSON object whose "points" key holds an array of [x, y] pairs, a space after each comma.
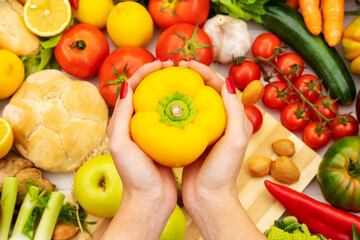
{"points": [[238, 127], [119, 126]]}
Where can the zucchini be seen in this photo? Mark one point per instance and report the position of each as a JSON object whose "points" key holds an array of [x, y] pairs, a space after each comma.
{"points": [[288, 24]]}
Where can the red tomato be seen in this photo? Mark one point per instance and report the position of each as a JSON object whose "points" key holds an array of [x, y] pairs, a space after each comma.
{"points": [[131, 57], [264, 45], [291, 116], [272, 98], [244, 73], [305, 82], [254, 115], [169, 12], [327, 108], [81, 50], [312, 138], [172, 44], [284, 63], [345, 128]]}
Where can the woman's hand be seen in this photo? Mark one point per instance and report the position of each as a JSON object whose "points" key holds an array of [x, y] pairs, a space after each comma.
{"points": [[209, 184], [150, 193]]}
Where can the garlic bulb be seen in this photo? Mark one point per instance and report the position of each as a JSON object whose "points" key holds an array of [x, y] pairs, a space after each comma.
{"points": [[230, 37]]}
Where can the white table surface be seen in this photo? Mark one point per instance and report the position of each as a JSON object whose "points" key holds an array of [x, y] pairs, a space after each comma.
{"points": [[65, 181]]}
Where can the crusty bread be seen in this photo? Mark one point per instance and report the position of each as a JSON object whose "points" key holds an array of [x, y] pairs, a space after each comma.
{"points": [[58, 123], [14, 35]]}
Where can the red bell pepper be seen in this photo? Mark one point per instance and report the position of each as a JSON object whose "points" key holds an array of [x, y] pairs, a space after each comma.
{"points": [[74, 3], [320, 218]]}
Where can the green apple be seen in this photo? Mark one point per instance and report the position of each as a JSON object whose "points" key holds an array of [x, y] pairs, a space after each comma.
{"points": [[175, 227], [98, 187]]}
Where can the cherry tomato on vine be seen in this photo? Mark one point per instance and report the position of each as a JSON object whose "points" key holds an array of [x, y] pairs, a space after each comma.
{"points": [[254, 115], [169, 12], [244, 73], [310, 83], [120, 65], [273, 93], [327, 106], [284, 63], [184, 40], [295, 116], [264, 45], [316, 136], [344, 127], [81, 50]]}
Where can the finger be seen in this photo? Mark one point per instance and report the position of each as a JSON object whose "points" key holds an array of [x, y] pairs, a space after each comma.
{"points": [[208, 74], [238, 125], [168, 63], [143, 71], [118, 129], [183, 63]]}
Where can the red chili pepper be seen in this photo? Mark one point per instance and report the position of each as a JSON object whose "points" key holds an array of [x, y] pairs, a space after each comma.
{"points": [[319, 217], [74, 3]]}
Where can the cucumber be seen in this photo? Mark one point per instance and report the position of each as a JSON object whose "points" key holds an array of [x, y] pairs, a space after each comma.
{"points": [[288, 24]]}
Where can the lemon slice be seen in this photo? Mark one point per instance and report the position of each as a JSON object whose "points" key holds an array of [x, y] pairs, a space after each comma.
{"points": [[6, 137], [47, 18]]}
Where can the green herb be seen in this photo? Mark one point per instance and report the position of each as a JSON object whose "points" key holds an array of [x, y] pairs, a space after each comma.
{"points": [[68, 215], [44, 59], [244, 9]]}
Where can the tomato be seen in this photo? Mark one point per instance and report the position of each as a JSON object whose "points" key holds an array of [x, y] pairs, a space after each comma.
{"points": [[272, 98], [169, 12], [306, 82], [264, 45], [284, 63], [81, 50], [254, 115], [131, 57], [184, 40], [294, 117], [314, 137], [344, 127], [244, 73], [327, 106]]}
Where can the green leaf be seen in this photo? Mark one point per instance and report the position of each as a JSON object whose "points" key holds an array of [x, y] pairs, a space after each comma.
{"points": [[356, 235]]}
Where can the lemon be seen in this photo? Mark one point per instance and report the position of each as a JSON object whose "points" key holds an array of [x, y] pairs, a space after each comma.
{"points": [[47, 18], [12, 73], [6, 137], [130, 24], [93, 12]]}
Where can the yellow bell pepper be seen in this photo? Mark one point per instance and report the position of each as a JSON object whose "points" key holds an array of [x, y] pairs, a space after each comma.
{"points": [[176, 116], [351, 45]]}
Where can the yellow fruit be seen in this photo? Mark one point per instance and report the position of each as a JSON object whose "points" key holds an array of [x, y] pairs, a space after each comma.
{"points": [[6, 137], [93, 12], [47, 18], [130, 24], [12, 73]]}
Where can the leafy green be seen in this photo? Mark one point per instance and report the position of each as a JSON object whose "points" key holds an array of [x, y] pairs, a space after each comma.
{"points": [[68, 215], [44, 59], [244, 9]]}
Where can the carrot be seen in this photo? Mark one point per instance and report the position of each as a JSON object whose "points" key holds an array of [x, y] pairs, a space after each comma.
{"points": [[293, 3], [312, 15], [333, 14]]}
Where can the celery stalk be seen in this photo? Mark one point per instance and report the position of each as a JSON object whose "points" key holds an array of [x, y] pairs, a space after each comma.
{"points": [[8, 199], [24, 225], [49, 218]]}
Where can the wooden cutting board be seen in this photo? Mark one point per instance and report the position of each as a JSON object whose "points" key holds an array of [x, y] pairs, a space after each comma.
{"points": [[260, 205]]}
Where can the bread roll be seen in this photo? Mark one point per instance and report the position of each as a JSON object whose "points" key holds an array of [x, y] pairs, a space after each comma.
{"points": [[14, 35], [58, 123]]}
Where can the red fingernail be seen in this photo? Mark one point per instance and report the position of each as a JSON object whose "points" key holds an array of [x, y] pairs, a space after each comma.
{"points": [[193, 59], [230, 86], [124, 89], [167, 59], [156, 59]]}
